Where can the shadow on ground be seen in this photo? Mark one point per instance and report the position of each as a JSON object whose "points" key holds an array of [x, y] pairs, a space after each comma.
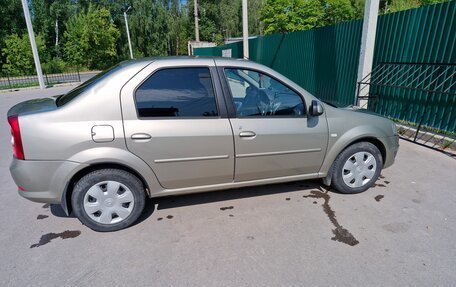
{"points": [[238, 193]]}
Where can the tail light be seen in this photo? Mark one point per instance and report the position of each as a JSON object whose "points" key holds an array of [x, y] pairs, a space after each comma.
{"points": [[16, 140]]}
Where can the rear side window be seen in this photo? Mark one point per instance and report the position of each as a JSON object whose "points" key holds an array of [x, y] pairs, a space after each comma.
{"points": [[177, 92]]}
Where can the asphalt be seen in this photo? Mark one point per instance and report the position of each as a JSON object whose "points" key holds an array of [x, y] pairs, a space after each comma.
{"points": [[399, 233]]}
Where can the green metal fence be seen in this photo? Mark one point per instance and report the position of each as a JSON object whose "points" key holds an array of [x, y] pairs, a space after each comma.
{"points": [[425, 36], [324, 61]]}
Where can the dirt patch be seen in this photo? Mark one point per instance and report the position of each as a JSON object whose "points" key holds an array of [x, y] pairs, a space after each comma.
{"points": [[340, 233], [46, 238], [226, 207]]}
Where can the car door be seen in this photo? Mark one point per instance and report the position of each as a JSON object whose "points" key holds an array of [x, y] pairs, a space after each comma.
{"points": [[175, 120], [272, 134]]}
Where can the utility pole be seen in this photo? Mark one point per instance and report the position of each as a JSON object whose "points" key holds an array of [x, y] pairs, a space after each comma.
{"points": [[128, 32], [245, 29], [197, 34], [36, 57], [366, 53]]}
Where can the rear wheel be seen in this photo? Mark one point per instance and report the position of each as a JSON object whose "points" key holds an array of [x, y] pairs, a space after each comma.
{"points": [[108, 199], [357, 168]]}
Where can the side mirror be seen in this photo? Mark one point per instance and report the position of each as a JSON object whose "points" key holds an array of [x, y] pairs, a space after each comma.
{"points": [[316, 109]]}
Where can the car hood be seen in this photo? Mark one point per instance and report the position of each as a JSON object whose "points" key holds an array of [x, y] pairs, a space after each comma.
{"points": [[361, 110]]}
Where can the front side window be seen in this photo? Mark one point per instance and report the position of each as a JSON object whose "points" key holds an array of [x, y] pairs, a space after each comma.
{"points": [[177, 92], [256, 94]]}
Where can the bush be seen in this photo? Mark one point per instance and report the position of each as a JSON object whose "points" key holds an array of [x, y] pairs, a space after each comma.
{"points": [[54, 66], [19, 56], [91, 39]]}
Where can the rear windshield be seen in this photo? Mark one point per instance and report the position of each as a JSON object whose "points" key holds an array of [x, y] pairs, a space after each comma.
{"points": [[68, 97]]}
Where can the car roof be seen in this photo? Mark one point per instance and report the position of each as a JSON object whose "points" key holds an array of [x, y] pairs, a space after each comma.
{"points": [[186, 58]]}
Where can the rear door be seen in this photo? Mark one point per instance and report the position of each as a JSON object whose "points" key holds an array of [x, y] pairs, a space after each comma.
{"points": [[273, 135], [175, 120]]}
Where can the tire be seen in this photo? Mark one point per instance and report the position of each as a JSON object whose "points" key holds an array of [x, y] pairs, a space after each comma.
{"points": [[356, 168], [108, 199]]}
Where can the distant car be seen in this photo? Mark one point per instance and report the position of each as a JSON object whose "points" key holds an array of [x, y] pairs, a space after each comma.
{"points": [[170, 126]]}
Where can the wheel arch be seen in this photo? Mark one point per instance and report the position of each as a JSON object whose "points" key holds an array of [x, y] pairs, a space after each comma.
{"points": [[67, 193], [368, 138]]}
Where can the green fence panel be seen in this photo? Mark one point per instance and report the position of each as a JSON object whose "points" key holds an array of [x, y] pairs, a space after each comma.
{"points": [[421, 35], [324, 61]]}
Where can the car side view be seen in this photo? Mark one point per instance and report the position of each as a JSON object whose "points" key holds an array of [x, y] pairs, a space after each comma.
{"points": [[168, 126]]}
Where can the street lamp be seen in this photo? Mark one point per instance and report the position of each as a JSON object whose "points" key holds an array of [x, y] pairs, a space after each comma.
{"points": [[128, 31], [36, 57]]}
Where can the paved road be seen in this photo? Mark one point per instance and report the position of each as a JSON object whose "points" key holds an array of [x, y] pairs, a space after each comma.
{"points": [[401, 232]]}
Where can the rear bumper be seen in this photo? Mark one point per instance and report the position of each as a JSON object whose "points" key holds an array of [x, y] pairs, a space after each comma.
{"points": [[42, 181], [392, 147]]}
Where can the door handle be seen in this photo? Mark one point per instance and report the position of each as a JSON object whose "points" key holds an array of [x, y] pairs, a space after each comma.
{"points": [[247, 134], [141, 136]]}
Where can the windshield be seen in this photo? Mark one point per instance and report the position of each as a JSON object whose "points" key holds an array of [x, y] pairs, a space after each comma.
{"points": [[64, 99]]}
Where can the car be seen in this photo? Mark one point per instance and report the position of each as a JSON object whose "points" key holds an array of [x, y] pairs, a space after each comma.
{"points": [[176, 125]]}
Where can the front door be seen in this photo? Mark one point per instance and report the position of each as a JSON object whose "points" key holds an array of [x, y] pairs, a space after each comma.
{"points": [[272, 134], [178, 129]]}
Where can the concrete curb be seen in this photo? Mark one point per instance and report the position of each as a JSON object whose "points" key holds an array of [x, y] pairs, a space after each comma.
{"points": [[428, 138]]}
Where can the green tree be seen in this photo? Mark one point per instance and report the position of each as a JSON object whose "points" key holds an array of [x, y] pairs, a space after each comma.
{"points": [[11, 22], [290, 15], [254, 11], [149, 28], [336, 11], [178, 34], [399, 5], [90, 39], [18, 54]]}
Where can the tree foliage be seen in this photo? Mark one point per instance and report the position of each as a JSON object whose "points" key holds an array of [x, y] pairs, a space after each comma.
{"points": [[18, 54], [90, 38], [336, 11], [149, 28], [291, 15], [92, 33]]}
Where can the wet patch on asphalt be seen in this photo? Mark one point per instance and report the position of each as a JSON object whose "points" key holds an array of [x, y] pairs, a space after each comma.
{"points": [[379, 197], [41, 216], [340, 233], [46, 238], [226, 207]]}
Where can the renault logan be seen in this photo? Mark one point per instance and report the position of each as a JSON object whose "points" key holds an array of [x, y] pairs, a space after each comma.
{"points": [[169, 126]]}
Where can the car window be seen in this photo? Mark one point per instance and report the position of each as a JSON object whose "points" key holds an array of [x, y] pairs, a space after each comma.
{"points": [[177, 92], [257, 94], [68, 97]]}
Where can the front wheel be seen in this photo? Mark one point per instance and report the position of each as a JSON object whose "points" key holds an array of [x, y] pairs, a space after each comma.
{"points": [[357, 168], [108, 199]]}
